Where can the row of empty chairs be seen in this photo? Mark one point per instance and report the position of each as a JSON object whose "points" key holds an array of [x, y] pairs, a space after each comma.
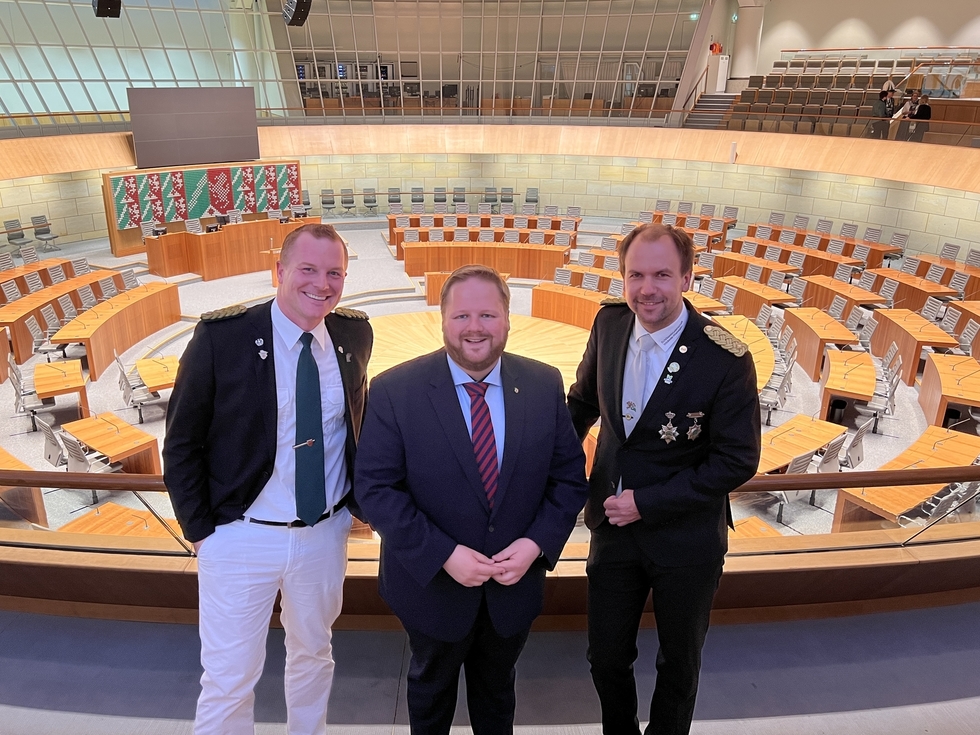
{"points": [[804, 95], [16, 237], [11, 290], [462, 234], [439, 196], [812, 64], [497, 221]]}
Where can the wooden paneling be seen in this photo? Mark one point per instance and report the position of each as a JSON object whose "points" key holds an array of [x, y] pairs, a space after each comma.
{"points": [[57, 154]]}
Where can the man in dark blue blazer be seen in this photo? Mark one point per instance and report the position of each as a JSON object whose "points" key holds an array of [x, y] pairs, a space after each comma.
{"points": [[470, 470], [679, 410]]}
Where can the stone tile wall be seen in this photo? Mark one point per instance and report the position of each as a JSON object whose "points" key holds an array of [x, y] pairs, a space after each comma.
{"points": [[71, 201]]}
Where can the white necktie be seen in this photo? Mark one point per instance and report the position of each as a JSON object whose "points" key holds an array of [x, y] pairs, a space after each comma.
{"points": [[634, 383]]}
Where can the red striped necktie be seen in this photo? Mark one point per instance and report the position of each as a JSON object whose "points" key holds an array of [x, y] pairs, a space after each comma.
{"points": [[484, 443]]}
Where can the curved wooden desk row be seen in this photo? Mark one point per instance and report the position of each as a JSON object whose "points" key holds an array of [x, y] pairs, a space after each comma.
{"points": [[815, 262], [578, 307], [876, 254], [714, 237], [17, 275], [971, 291], [691, 221], [460, 220], [473, 233], [231, 251], [121, 322], [519, 260], [14, 316]]}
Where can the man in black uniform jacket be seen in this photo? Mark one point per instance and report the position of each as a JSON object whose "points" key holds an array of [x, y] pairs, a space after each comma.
{"points": [[680, 430], [258, 460]]}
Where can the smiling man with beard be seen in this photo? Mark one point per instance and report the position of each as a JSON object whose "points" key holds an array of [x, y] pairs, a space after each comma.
{"points": [[679, 430], [471, 472]]}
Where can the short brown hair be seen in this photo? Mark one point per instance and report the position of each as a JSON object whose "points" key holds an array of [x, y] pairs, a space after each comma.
{"points": [[483, 273], [651, 232], [318, 231]]}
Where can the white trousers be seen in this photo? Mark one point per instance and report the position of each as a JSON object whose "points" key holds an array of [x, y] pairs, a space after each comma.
{"points": [[241, 567]]}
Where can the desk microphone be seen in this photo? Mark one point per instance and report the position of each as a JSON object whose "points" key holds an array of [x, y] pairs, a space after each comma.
{"points": [[947, 438], [961, 362], [967, 376], [848, 372], [918, 461], [103, 418], [63, 373]]}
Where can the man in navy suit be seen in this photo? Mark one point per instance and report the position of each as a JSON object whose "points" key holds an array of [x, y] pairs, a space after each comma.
{"points": [[471, 472], [679, 408], [258, 461]]}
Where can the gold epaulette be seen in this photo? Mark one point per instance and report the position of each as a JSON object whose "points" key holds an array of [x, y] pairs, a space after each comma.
{"points": [[613, 301], [351, 313], [725, 340], [228, 312]]}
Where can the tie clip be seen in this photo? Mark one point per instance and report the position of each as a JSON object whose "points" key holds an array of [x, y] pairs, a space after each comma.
{"points": [[307, 443]]}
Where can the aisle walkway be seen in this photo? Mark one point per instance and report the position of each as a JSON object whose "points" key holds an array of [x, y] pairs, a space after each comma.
{"points": [[894, 673]]}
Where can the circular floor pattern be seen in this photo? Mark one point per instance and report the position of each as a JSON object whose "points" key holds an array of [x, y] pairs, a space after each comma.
{"points": [[401, 337]]}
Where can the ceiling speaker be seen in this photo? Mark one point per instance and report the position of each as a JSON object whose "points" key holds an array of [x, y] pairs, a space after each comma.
{"points": [[107, 8], [294, 12]]}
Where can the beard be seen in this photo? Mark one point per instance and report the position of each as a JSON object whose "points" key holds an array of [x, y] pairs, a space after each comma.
{"points": [[478, 365]]}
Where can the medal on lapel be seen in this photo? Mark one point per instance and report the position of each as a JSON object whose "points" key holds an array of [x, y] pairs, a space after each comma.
{"points": [[694, 430], [671, 369], [668, 432]]}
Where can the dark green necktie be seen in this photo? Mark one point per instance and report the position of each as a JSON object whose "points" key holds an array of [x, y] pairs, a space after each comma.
{"points": [[310, 497]]}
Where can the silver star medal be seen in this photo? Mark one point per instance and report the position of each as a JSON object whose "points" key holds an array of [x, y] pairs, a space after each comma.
{"points": [[671, 369], [668, 432], [694, 430]]}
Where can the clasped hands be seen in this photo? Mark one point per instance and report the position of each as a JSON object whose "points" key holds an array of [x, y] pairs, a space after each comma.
{"points": [[471, 568]]}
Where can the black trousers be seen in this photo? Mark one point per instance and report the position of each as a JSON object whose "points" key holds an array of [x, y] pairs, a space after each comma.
{"points": [[488, 661], [620, 580]]}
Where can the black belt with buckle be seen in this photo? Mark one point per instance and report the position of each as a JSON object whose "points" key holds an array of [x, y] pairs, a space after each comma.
{"points": [[298, 523]]}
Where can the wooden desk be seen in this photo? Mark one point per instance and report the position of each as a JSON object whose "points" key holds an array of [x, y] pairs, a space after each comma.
{"points": [[752, 527], [815, 262], [912, 291], [735, 264], [520, 260], [968, 310], [876, 250], [17, 274], [971, 291], [800, 435], [231, 251], [757, 342], [717, 240], [702, 302], [61, 378], [847, 375], [442, 221], [14, 316], [911, 332], [112, 519], [948, 379], [473, 233], [158, 373], [605, 276], [751, 295], [821, 290], [813, 330], [26, 502], [120, 441], [862, 508], [121, 322], [567, 304]]}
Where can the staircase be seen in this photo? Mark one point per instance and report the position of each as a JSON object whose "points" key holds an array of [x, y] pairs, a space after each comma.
{"points": [[709, 111]]}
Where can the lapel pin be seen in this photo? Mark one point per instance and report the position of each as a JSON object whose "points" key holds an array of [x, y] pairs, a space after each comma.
{"points": [[340, 349], [259, 342], [682, 349], [516, 390], [348, 358], [263, 354]]}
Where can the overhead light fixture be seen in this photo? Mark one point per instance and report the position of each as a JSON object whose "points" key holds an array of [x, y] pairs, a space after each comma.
{"points": [[695, 16], [107, 8]]}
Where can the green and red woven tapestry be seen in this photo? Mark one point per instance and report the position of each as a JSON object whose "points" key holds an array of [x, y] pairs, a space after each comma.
{"points": [[175, 196]]}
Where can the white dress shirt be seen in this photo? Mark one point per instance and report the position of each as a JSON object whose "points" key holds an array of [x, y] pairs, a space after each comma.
{"points": [[494, 398], [277, 500], [665, 339]]}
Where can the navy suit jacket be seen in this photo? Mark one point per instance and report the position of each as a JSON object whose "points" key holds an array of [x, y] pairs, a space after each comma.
{"points": [[680, 487], [417, 483]]}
